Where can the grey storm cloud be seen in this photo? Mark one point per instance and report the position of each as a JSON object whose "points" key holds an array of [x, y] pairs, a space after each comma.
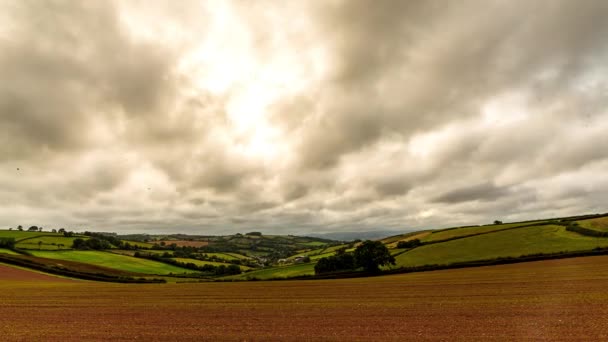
{"points": [[480, 192], [303, 116]]}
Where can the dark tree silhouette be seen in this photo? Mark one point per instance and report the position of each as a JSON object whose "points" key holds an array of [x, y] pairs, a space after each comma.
{"points": [[371, 255]]}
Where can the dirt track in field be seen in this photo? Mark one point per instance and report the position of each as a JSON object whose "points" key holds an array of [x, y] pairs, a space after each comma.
{"points": [[557, 300], [8, 273]]}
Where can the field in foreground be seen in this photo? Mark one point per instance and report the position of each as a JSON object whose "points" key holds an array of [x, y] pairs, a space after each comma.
{"points": [[11, 273], [546, 300]]}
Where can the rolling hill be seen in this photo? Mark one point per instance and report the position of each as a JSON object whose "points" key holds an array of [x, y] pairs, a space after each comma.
{"points": [[274, 256]]}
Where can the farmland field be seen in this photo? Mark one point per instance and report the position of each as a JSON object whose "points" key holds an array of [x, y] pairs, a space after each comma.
{"points": [[553, 300], [227, 256], [439, 235], [599, 224], [115, 261], [514, 243], [394, 240], [11, 273], [203, 263], [185, 243], [19, 235], [319, 256], [7, 251], [47, 242], [139, 244], [278, 272]]}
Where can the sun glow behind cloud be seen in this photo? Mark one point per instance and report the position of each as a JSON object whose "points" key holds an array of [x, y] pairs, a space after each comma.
{"points": [[227, 63]]}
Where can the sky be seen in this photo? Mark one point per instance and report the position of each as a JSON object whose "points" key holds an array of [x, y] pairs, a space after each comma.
{"points": [[294, 117]]}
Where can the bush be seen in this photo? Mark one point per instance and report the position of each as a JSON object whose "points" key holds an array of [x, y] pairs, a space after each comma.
{"points": [[92, 243], [409, 244], [335, 263]]}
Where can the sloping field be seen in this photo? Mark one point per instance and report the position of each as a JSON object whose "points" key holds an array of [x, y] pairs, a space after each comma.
{"points": [[320, 256], [599, 224], [186, 243], [394, 241], [227, 256], [139, 244], [278, 272], [513, 243], [556, 300], [7, 251], [115, 261], [10, 273], [20, 235], [451, 233], [405, 237], [47, 242]]}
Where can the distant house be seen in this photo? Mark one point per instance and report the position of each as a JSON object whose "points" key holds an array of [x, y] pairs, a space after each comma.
{"points": [[301, 259]]}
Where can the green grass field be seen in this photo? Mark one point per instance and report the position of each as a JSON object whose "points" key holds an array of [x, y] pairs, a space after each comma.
{"points": [[600, 224], [403, 237], [510, 243], [47, 242], [115, 261], [314, 244], [7, 251], [439, 235], [227, 256], [139, 244], [316, 257], [19, 235], [203, 263], [309, 253], [278, 272]]}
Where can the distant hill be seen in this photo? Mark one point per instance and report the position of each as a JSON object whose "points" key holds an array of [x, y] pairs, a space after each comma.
{"points": [[349, 236], [255, 255]]}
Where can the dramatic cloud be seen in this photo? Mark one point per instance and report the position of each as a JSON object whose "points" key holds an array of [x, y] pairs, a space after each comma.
{"points": [[300, 116]]}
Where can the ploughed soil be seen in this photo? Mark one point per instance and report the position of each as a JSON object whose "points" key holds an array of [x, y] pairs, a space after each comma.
{"points": [[9, 273], [554, 300]]}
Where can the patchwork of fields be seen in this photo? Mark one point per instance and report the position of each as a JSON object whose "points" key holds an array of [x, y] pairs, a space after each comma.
{"points": [[275, 256], [552, 300]]}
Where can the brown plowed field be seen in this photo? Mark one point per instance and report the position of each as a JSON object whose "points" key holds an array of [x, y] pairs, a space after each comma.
{"points": [[186, 243], [557, 300], [9, 273]]}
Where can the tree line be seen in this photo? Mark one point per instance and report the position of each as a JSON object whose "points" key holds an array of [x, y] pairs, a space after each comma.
{"points": [[369, 256]]}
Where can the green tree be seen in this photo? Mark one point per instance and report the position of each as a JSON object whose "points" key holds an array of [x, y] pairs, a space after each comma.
{"points": [[371, 255], [7, 243], [335, 263], [79, 244]]}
